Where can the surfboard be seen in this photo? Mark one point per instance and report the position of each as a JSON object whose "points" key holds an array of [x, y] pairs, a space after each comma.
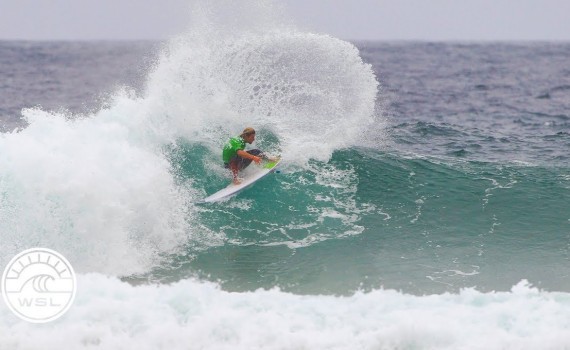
{"points": [[249, 179]]}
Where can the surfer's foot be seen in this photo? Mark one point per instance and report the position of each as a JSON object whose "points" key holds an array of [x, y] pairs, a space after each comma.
{"points": [[237, 181]]}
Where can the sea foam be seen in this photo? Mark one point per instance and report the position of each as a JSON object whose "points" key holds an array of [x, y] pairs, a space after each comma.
{"points": [[191, 314]]}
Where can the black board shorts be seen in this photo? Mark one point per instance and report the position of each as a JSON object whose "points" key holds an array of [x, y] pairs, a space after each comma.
{"points": [[242, 163]]}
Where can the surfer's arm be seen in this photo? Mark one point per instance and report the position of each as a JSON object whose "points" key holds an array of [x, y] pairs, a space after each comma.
{"points": [[244, 154]]}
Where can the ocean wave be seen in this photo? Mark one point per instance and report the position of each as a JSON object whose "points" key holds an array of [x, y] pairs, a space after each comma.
{"points": [[197, 315], [104, 187]]}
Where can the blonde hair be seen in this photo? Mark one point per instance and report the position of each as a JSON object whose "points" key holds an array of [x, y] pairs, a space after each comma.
{"points": [[247, 131]]}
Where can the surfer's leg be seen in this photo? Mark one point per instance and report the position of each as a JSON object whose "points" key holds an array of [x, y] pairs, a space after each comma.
{"points": [[260, 153], [239, 163], [233, 165], [256, 152], [244, 162]]}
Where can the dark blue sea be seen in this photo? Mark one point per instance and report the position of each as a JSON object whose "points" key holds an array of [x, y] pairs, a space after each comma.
{"points": [[423, 201]]}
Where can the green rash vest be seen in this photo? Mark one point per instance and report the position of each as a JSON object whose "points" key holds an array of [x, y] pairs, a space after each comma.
{"points": [[230, 149]]}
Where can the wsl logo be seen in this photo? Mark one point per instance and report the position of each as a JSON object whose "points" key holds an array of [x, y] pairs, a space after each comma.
{"points": [[38, 285]]}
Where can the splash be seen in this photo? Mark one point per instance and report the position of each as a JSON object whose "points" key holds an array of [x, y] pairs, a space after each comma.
{"points": [[99, 187], [87, 188], [312, 92]]}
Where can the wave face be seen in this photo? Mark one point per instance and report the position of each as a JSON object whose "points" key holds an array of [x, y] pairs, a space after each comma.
{"points": [[109, 189], [369, 219]]}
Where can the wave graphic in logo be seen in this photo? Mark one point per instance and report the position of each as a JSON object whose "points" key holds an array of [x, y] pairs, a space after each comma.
{"points": [[38, 285]]}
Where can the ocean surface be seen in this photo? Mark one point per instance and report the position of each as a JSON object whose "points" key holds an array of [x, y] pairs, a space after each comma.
{"points": [[423, 201]]}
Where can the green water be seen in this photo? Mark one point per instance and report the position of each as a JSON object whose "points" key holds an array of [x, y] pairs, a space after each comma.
{"points": [[369, 219]]}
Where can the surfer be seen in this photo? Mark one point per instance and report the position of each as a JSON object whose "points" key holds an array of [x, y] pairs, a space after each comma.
{"points": [[236, 158]]}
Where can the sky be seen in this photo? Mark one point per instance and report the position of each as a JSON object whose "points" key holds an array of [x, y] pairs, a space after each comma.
{"points": [[427, 20]]}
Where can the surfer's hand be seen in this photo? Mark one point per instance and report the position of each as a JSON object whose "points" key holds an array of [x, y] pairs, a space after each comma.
{"points": [[257, 160]]}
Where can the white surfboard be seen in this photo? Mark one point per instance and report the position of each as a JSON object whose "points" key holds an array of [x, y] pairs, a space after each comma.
{"points": [[250, 179]]}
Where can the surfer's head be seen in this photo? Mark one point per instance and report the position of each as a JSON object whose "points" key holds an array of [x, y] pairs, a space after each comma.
{"points": [[248, 135]]}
